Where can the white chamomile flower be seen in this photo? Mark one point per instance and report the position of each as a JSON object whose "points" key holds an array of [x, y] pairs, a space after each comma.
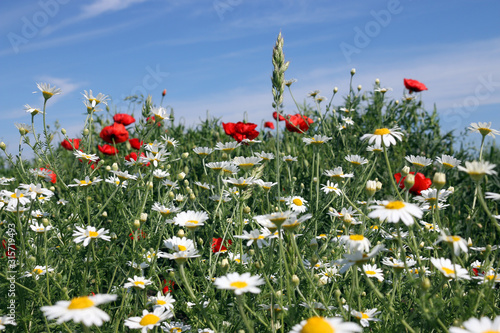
{"points": [[373, 272], [356, 159], [160, 300], [483, 128], [474, 325], [395, 211], [148, 320], [478, 169], [297, 204], [419, 161], [239, 283], [384, 136], [139, 282], [89, 233], [203, 151], [324, 324], [356, 242], [316, 140], [80, 309], [450, 270], [448, 162]]}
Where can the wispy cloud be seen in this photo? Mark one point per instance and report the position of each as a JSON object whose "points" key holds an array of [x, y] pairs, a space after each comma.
{"points": [[99, 7]]}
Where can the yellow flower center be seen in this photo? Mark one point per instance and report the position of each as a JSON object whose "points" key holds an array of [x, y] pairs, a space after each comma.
{"points": [[418, 164], [317, 325], [175, 330], [80, 303], [192, 222], [381, 131], [322, 235], [364, 316], [356, 237], [139, 283], [239, 284], [37, 271], [455, 238], [149, 319], [370, 272], [491, 331], [448, 165], [297, 202], [93, 234], [484, 130], [14, 195], [246, 165], [84, 182], [355, 162], [182, 247], [448, 270], [395, 205], [159, 301]]}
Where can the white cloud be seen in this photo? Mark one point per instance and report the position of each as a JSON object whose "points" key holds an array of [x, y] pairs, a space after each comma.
{"points": [[99, 7]]}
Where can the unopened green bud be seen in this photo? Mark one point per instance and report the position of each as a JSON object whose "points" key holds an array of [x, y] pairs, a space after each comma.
{"points": [[295, 280], [353, 71], [108, 168], [114, 167], [409, 181], [185, 155], [360, 87], [3, 146], [426, 284], [246, 210], [439, 180], [63, 131], [46, 222], [180, 233], [137, 224], [335, 90], [86, 131]]}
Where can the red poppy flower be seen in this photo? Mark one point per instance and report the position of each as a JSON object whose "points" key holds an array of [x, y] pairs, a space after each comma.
{"points": [[217, 245], [169, 287], [53, 177], [269, 124], [140, 235], [10, 252], [298, 123], [414, 85], [133, 156], [275, 115], [107, 149], [164, 92], [67, 144], [240, 130], [421, 183], [124, 119], [135, 143], [115, 133]]}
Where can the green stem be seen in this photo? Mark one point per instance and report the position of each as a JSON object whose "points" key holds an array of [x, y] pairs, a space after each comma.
{"points": [[391, 176], [241, 308]]}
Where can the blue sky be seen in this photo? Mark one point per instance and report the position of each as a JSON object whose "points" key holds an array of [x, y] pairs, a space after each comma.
{"points": [[216, 55]]}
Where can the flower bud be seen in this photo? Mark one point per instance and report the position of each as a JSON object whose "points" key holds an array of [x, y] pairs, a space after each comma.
{"points": [[113, 236], [164, 92], [192, 197], [371, 187], [353, 71], [137, 224], [186, 183], [379, 185], [108, 168], [377, 81], [185, 155], [439, 180], [63, 131], [143, 217], [224, 156], [171, 195], [3, 146], [426, 284], [405, 171], [52, 188], [86, 131], [45, 222], [171, 274], [347, 218], [396, 102], [149, 185], [279, 293], [114, 167], [295, 280], [246, 210], [409, 181], [451, 189], [315, 179], [224, 263], [294, 179], [181, 176], [180, 233], [313, 244], [337, 293], [360, 87]]}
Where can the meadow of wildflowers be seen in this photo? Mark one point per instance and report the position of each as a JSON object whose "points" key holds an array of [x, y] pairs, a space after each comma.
{"points": [[351, 214]]}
